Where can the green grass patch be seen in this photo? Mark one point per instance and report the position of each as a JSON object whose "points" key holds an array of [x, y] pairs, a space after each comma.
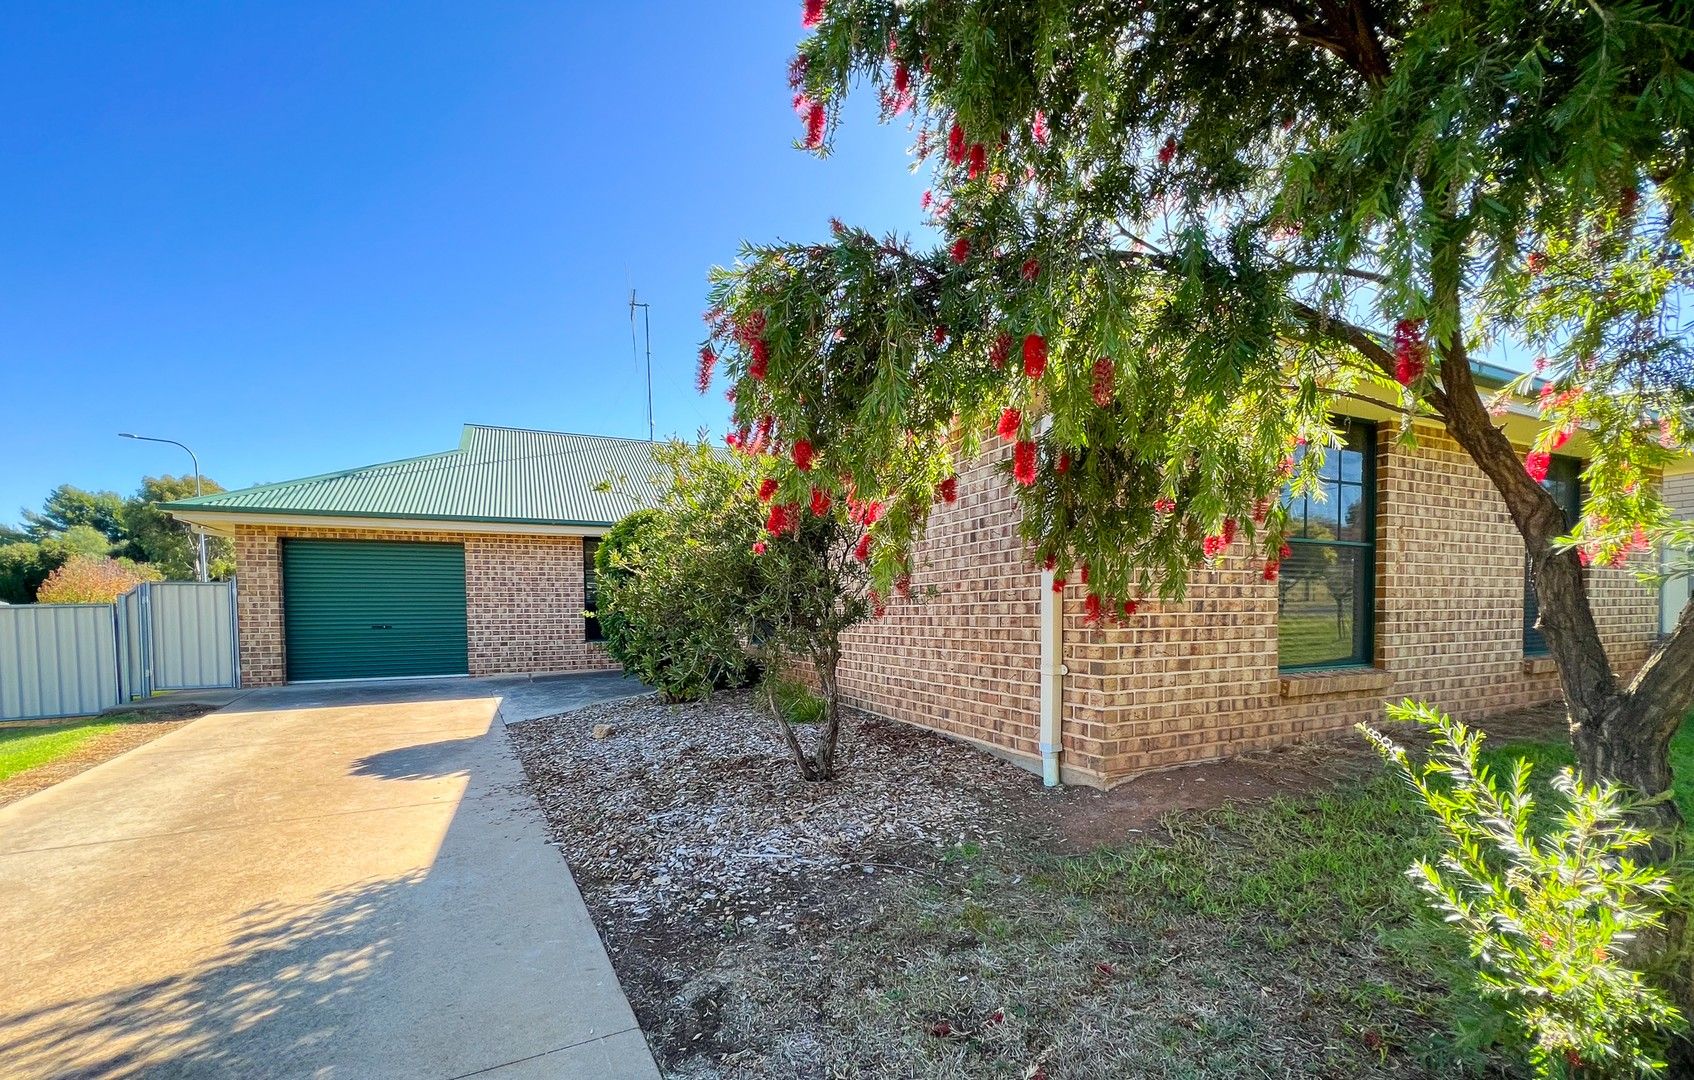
{"points": [[22, 749]]}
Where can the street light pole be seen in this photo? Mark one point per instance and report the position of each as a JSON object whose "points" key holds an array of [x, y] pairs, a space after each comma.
{"points": [[200, 568]]}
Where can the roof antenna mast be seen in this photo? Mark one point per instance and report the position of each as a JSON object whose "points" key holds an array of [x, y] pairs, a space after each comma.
{"points": [[647, 324]]}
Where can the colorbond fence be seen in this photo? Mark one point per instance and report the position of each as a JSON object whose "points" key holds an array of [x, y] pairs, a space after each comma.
{"points": [[76, 659]]}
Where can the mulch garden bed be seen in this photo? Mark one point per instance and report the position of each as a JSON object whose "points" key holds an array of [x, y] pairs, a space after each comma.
{"points": [[935, 912]]}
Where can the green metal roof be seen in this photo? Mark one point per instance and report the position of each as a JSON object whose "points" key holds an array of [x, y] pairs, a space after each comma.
{"points": [[497, 474]]}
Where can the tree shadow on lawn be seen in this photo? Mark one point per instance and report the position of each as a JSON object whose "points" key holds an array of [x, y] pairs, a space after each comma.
{"points": [[276, 993]]}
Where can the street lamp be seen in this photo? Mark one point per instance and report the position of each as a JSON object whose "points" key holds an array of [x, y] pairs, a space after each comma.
{"points": [[199, 533]]}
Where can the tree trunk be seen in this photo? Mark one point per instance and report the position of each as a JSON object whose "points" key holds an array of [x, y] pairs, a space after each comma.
{"points": [[1620, 734], [825, 662]]}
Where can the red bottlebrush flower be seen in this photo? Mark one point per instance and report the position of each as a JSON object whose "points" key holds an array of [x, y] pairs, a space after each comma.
{"points": [[760, 365], [1271, 570], [948, 489], [1085, 573], [767, 488], [1168, 151], [955, 144], [1034, 355], [941, 335], [902, 78], [878, 608], [759, 548], [1001, 349], [797, 71], [1228, 531], [1212, 546], [978, 160], [1010, 421], [1130, 607], [1104, 383], [903, 586], [1285, 467], [1410, 351], [782, 517], [1030, 269], [1536, 463], [1091, 608], [802, 454], [1560, 437], [732, 440], [862, 550], [821, 502], [817, 121], [942, 207], [1038, 128], [1163, 506], [708, 360], [872, 514], [1058, 584], [1536, 262], [811, 14], [961, 249], [1062, 466], [1261, 511], [1285, 550], [1023, 462], [762, 434], [1050, 562]]}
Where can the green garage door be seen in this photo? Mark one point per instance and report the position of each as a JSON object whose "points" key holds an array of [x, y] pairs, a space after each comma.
{"points": [[372, 609]]}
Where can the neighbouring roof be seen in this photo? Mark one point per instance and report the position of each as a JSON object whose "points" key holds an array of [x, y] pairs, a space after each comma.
{"points": [[498, 474]]}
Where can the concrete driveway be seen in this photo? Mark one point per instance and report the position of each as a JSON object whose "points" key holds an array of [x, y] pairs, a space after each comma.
{"points": [[331, 881]]}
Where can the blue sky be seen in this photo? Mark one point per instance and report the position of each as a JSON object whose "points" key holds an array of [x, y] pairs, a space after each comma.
{"points": [[302, 237]]}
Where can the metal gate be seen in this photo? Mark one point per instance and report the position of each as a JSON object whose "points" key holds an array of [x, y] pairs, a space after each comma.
{"points": [[76, 659]]}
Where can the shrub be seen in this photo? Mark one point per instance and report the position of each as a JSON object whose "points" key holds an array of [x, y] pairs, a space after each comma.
{"points": [[673, 581], [86, 579], [1549, 917]]}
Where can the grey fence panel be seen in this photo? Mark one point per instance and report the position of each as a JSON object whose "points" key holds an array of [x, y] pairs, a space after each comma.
{"points": [[190, 634], [57, 660], [133, 677]]}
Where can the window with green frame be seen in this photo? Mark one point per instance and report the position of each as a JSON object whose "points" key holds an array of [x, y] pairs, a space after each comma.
{"points": [[590, 592], [1564, 483], [1326, 598]]}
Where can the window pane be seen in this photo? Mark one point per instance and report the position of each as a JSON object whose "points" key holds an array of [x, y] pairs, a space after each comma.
{"points": [[1351, 507], [1352, 465], [1323, 592], [1320, 519]]}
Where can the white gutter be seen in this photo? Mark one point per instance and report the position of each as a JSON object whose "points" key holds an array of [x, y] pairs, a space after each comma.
{"points": [[1053, 673]]}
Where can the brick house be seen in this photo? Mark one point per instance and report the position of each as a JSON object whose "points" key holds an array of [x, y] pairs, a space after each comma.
{"points": [[474, 561], [1408, 581]]}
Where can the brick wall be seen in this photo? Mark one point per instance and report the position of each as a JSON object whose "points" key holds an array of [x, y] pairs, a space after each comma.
{"points": [[523, 600], [1197, 680]]}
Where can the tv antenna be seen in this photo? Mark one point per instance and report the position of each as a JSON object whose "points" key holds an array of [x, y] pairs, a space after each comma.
{"points": [[647, 324]]}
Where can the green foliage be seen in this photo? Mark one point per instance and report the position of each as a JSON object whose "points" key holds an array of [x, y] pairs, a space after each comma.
{"points": [[1549, 916], [67, 506], [794, 701], [1217, 216], [696, 593], [674, 582], [157, 538], [22, 570]]}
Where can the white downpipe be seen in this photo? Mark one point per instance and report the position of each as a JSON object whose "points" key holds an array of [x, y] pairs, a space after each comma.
{"points": [[1053, 673]]}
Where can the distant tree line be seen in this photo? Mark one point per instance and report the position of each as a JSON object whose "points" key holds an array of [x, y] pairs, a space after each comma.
{"points": [[104, 541]]}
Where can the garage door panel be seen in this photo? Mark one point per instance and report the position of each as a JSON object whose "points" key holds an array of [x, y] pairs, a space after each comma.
{"points": [[372, 609]]}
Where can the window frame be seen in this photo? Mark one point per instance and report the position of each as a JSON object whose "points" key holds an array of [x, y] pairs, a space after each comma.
{"points": [[591, 631], [1364, 608], [1534, 644]]}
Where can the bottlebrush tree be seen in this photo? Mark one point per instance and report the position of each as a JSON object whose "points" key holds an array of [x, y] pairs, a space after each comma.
{"points": [[1173, 234]]}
